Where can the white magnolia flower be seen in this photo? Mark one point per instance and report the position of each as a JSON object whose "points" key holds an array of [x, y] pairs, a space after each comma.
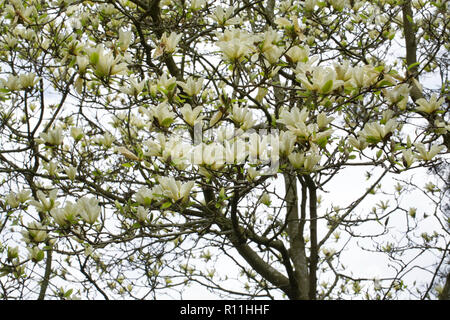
{"points": [[135, 86], [35, 254], [141, 214], [89, 209], [167, 44], [76, 133], [298, 54], [293, 117], [375, 132], [236, 44], [23, 195], [163, 114], [324, 80], [243, 116], [191, 87], [11, 200], [430, 154], [176, 190], [166, 83], [53, 136], [359, 143], [45, 204], [124, 39], [35, 232], [223, 16], [398, 95], [104, 63], [191, 116], [408, 157], [144, 196], [287, 141], [323, 121], [429, 106], [82, 62], [265, 199]]}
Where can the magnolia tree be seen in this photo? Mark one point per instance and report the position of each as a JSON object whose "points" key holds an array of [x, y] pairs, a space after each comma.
{"points": [[253, 149]]}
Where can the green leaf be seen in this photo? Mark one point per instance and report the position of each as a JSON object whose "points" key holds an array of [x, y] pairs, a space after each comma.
{"points": [[127, 165], [327, 86], [166, 205], [413, 65]]}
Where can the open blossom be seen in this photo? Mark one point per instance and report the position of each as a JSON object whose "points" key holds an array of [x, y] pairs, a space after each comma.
{"points": [[164, 116], [223, 16], [135, 86], [64, 216], [295, 115], [144, 196], [191, 116], [236, 44], [374, 132], [53, 136], [243, 117], [430, 154], [104, 63], [324, 80], [399, 95], [176, 190], [359, 143], [45, 204], [124, 39], [167, 44], [298, 53], [89, 209], [429, 106], [35, 232], [191, 87]]}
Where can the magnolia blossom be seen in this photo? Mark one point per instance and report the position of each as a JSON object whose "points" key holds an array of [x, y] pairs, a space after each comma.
{"points": [[292, 117], [76, 133], [236, 43], [104, 63], [324, 80], [175, 190], [374, 132], [428, 155], [287, 141], [429, 106], [364, 76], [45, 204], [11, 200], [359, 143], [307, 161], [53, 136], [298, 53], [144, 196], [398, 95], [124, 39], [408, 157], [89, 209], [191, 87], [135, 86], [167, 44], [141, 214], [223, 16], [164, 116], [211, 155], [66, 215], [191, 116], [35, 232], [166, 84], [243, 116]]}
